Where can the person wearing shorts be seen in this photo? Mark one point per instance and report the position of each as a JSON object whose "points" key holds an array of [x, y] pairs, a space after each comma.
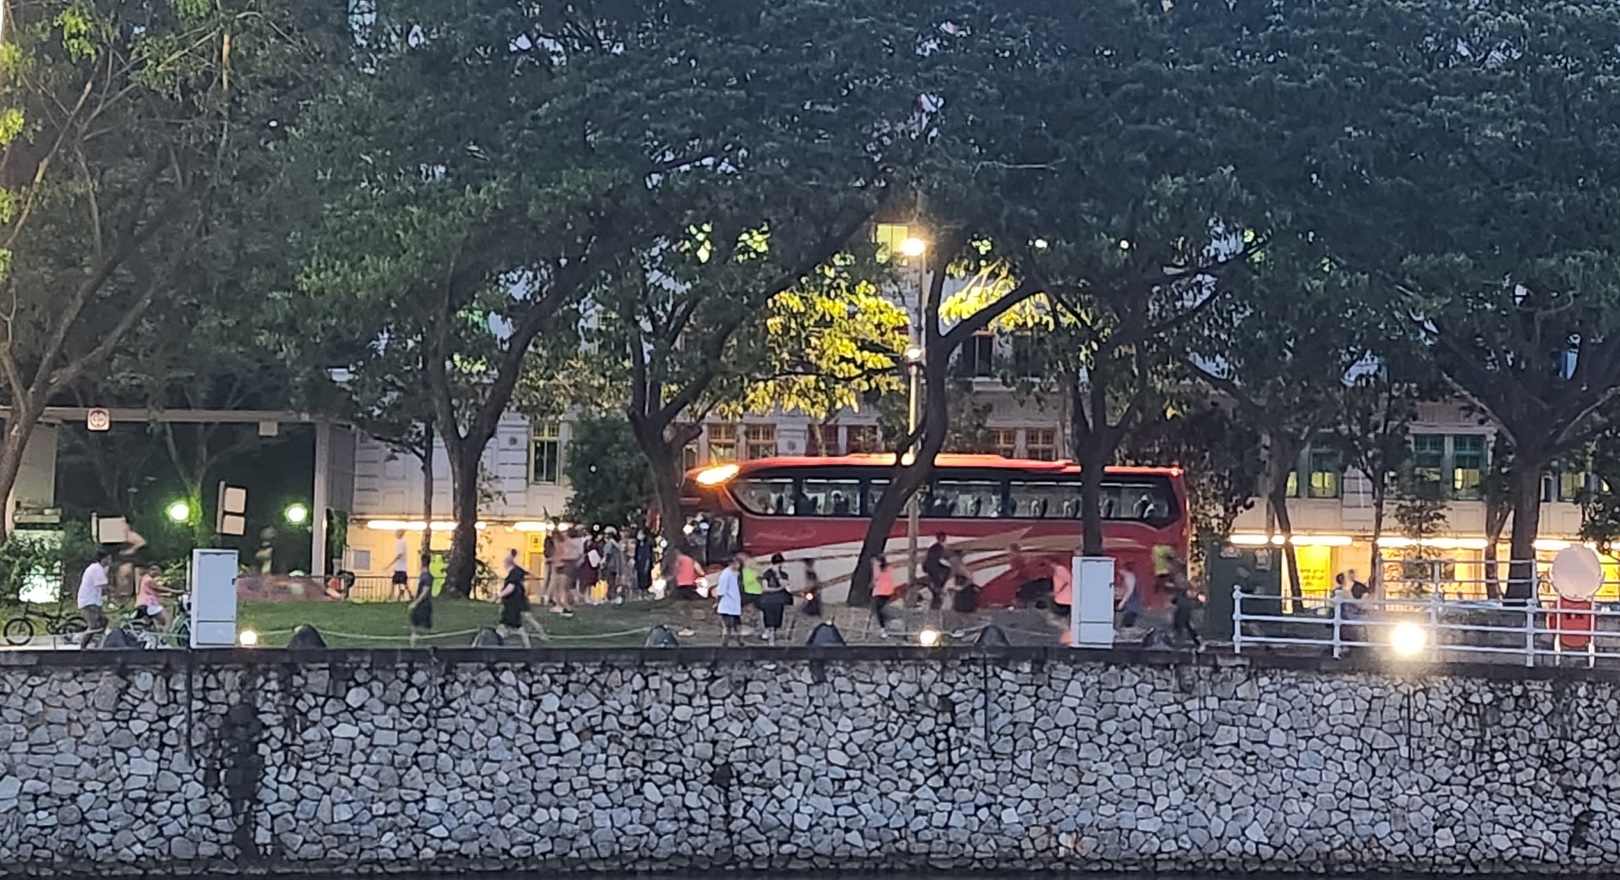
{"points": [[92, 596], [399, 587], [775, 599], [729, 592], [149, 597]]}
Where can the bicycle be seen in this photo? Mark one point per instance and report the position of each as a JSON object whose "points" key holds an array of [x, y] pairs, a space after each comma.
{"points": [[21, 630]]}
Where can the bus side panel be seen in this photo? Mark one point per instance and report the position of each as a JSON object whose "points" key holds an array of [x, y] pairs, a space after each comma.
{"points": [[1002, 555]]}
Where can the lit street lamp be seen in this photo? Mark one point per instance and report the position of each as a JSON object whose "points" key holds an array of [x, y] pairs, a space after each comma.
{"points": [[915, 247], [179, 512], [297, 514]]}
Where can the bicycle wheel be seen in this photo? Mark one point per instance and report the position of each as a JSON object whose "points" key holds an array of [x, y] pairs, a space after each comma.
{"points": [[63, 626], [19, 631]]}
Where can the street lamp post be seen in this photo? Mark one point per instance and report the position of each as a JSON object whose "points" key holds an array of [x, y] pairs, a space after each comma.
{"points": [[914, 248]]}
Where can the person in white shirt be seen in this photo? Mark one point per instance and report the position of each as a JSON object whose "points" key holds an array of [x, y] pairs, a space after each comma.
{"points": [[730, 606], [402, 577], [92, 595]]}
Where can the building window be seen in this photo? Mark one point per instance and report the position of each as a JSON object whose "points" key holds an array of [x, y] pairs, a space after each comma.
{"points": [[824, 440], [1026, 356], [1467, 467], [761, 441], [1041, 444], [1004, 441], [1327, 473], [545, 459], [722, 443], [1570, 486], [688, 458], [1428, 463], [977, 357], [864, 439]]}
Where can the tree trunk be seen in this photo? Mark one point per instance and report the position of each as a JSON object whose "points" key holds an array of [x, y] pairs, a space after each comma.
{"points": [[1496, 518], [1093, 463], [1375, 576], [19, 427], [660, 453], [1525, 490], [1285, 526], [463, 566], [890, 505], [427, 500]]}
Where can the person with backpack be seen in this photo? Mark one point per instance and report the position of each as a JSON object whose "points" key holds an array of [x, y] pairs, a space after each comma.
{"points": [[775, 598]]}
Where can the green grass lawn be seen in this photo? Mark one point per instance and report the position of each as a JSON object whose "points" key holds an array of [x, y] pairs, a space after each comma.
{"points": [[386, 624]]}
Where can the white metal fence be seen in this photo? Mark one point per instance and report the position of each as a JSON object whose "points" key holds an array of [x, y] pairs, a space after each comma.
{"points": [[1419, 619]]}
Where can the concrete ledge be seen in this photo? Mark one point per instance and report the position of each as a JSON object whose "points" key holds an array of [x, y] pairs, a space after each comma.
{"points": [[753, 655]]}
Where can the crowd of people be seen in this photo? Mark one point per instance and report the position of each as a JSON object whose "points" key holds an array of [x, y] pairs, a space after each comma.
{"points": [[599, 566]]}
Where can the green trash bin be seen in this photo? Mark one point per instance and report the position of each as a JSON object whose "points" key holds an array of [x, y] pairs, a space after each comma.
{"points": [[1257, 570]]}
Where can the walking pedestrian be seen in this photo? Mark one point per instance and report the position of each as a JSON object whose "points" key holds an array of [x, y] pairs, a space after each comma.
{"points": [[937, 569], [613, 564], [401, 579], [422, 603], [565, 572], [149, 598], [1183, 604], [752, 587], [812, 589], [644, 563], [92, 598], [882, 592], [729, 606], [686, 573], [775, 599], [965, 596], [515, 614], [1129, 600]]}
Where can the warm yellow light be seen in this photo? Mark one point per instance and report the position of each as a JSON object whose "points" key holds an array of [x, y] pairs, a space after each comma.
{"points": [[1408, 639], [248, 639], [1249, 540], [1322, 540], [913, 246], [717, 475], [914, 354], [928, 638], [907, 460], [1552, 544]]}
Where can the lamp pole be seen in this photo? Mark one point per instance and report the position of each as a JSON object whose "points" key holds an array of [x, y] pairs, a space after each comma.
{"points": [[915, 248]]}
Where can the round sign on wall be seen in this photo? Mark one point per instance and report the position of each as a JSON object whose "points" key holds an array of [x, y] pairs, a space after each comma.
{"points": [[1577, 573], [98, 420]]}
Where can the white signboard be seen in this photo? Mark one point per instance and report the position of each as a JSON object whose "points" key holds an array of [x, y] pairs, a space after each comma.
{"points": [[1091, 613], [213, 598]]}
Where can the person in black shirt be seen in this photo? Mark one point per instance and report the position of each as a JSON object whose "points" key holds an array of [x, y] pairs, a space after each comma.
{"points": [[937, 570], [514, 599]]}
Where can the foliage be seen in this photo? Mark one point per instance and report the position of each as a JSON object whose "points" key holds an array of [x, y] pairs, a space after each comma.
{"points": [[611, 482], [1444, 163], [1220, 458], [119, 123]]}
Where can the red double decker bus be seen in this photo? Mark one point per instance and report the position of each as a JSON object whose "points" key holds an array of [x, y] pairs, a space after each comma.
{"points": [[1012, 519]]}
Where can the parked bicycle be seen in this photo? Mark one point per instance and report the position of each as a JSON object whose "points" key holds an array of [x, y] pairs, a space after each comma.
{"points": [[36, 621], [143, 630]]}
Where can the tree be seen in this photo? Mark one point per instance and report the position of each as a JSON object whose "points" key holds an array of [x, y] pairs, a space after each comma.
{"points": [[610, 478], [1219, 455], [117, 126], [1373, 432], [1436, 149], [1286, 378]]}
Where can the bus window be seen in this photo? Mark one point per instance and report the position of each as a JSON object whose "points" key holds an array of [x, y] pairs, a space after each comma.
{"points": [[818, 497], [1146, 501], [1044, 500], [723, 542], [964, 499], [771, 497], [874, 491]]}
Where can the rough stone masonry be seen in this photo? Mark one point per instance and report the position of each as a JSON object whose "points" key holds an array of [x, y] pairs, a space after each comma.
{"points": [[795, 760]]}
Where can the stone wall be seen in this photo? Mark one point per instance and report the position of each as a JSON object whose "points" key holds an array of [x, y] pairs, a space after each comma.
{"points": [[796, 760]]}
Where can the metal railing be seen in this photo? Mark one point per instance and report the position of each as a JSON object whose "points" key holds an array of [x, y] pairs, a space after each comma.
{"points": [[1433, 627]]}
